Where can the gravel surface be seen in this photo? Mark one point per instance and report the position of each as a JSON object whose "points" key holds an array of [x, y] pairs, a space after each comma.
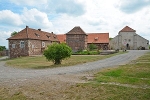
{"points": [[7, 74]]}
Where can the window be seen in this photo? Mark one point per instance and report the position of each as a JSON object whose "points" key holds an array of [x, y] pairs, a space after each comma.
{"points": [[13, 45], [43, 44], [129, 40], [37, 35], [48, 36], [22, 44]]}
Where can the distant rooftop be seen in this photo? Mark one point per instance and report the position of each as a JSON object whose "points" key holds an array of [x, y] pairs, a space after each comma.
{"points": [[127, 29]]}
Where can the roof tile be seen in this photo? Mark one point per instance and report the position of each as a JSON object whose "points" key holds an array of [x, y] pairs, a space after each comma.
{"points": [[76, 30], [61, 38], [127, 29], [98, 37], [29, 33]]}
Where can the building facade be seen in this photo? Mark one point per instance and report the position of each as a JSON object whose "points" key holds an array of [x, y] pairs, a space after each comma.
{"points": [[30, 42], [101, 40], [77, 39], [128, 39]]}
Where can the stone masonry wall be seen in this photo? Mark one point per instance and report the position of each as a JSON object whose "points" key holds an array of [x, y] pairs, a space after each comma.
{"points": [[76, 41], [15, 50]]}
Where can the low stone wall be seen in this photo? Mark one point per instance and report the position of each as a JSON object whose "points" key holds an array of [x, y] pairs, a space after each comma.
{"points": [[4, 53], [107, 52]]}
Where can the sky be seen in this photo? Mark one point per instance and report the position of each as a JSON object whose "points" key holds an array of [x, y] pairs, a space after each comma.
{"points": [[60, 16]]}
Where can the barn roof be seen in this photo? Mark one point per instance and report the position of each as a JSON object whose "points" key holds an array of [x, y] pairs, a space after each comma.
{"points": [[61, 37], [29, 33], [76, 30], [98, 37], [127, 29]]}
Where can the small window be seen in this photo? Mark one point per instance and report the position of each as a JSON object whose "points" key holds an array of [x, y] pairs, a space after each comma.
{"points": [[13, 45], [48, 36], [54, 36], [43, 44], [22, 44], [129, 40], [37, 35]]}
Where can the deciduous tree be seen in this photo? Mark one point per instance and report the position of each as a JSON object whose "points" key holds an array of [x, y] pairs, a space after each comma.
{"points": [[57, 52]]}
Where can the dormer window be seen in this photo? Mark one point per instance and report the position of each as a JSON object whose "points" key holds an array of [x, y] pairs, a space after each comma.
{"points": [[37, 35], [48, 36], [96, 38], [54, 36]]}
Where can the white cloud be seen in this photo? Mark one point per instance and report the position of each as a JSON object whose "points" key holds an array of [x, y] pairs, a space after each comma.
{"points": [[35, 18], [3, 36], [133, 6], [61, 16], [69, 7], [9, 18]]}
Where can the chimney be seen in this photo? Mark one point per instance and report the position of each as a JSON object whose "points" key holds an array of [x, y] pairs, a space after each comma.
{"points": [[39, 29], [27, 30], [52, 32], [27, 26]]}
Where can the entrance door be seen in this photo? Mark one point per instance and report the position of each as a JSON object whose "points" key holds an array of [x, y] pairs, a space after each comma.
{"points": [[128, 46]]}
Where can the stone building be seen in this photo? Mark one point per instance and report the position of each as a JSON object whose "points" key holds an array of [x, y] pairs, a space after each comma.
{"points": [[29, 42], [101, 40], [77, 39], [128, 39]]}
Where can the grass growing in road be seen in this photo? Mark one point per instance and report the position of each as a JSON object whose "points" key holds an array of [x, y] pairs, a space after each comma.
{"points": [[39, 62]]}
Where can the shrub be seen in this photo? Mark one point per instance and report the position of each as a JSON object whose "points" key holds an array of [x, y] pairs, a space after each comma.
{"points": [[92, 47], [57, 52]]}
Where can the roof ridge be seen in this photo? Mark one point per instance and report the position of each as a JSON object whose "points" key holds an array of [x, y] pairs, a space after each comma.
{"points": [[76, 30], [127, 29]]}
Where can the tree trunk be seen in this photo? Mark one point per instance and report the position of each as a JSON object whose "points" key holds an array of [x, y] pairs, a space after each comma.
{"points": [[57, 62]]}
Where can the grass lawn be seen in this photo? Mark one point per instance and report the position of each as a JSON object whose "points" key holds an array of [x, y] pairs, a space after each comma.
{"points": [[39, 62], [126, 82]]}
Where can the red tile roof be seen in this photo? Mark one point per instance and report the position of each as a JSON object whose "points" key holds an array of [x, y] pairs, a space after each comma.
{"points": [[127, 29], [29, 33], [98, 37], [62, 38], [76, 30]]}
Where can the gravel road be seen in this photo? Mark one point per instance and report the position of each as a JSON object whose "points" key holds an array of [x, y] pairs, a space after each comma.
{"points": [[9, 73]]}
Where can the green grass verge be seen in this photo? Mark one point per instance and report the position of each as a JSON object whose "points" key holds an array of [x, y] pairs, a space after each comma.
{"points": [[41, 62], [126, 82]]}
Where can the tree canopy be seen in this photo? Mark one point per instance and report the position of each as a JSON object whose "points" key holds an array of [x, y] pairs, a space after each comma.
{"points": [[14, 33], [57, 52], [2, 48]]}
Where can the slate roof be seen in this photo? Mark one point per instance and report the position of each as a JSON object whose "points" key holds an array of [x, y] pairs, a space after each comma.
{"points": [[76, 30], [127, 29], [61, 38], [29, 33], [98, 37]]}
